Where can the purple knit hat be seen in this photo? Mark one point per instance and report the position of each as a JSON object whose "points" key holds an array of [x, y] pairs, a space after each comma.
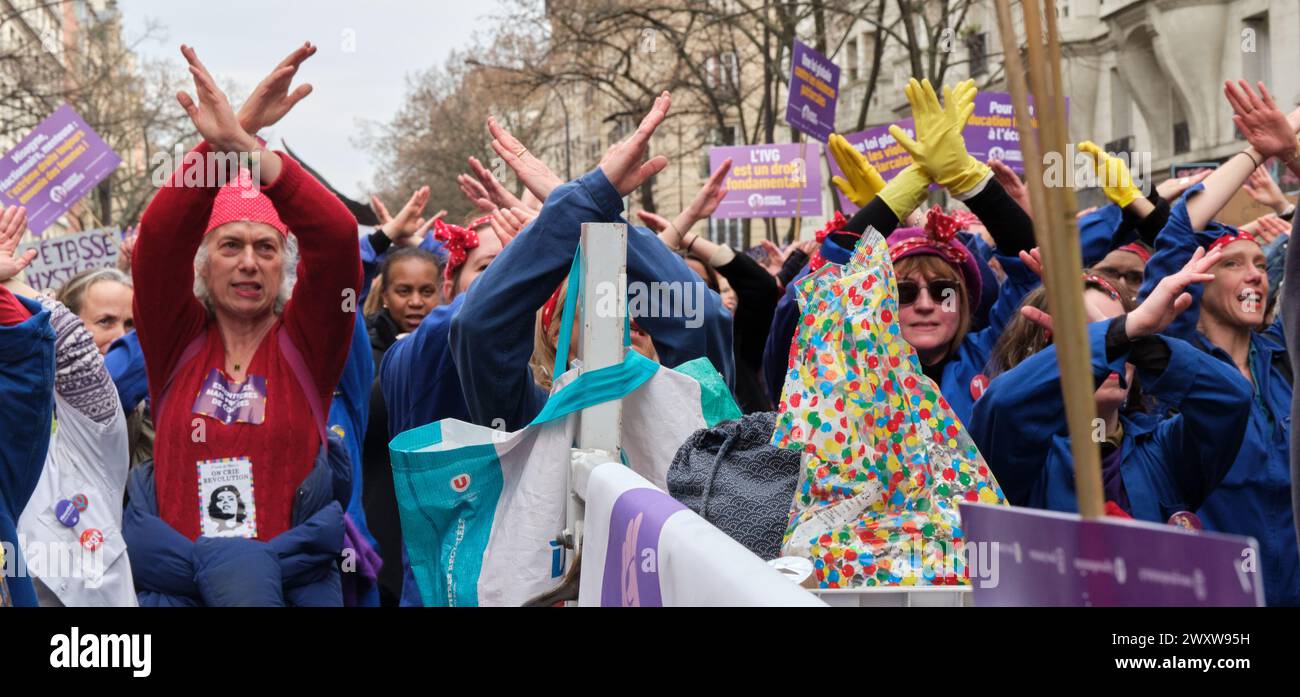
{"points": [[938, 238]]}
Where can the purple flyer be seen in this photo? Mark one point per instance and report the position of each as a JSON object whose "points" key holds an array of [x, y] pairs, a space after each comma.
{"points": [[770, 181], [814, 89], [1027, 557], [56, 165], [632, 558], [243, 402]]}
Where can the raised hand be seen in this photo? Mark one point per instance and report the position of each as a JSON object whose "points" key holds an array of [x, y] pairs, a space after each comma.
{"points": [[126, 249], [271, 99], [475, 193], [496, 193], [1033, 261], [403, 227], [940, 149], [861, 181], [1170, 298], [1010, 182], [657, 223], [531, 172], [1171, 189], [1261, 187], [13, 223], [418, 236], [1115, 179], [622, 163], [1267, 228], [517, 218], [775, 257], [1264, 125], [709, 196], [212, 115]]}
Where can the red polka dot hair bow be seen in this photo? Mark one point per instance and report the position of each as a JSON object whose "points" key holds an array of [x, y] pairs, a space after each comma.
{"points": [[940, 226], [966, 220], [836, 224], [457, 241]]}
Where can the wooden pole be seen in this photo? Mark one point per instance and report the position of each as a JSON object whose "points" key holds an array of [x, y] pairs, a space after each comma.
{"points": [[1057, 231]]}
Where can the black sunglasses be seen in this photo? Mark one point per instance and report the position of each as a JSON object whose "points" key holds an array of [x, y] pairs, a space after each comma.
{"points": [[939, 290]]}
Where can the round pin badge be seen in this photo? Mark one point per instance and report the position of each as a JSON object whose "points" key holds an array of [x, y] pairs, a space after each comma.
{"points": [[978, 384], [92, 539], [81, 502], [1186, 520], [67, 513]]}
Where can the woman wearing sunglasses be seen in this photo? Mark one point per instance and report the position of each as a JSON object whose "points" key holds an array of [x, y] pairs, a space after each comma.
{"points": [[1152, 467], [939, 278]]}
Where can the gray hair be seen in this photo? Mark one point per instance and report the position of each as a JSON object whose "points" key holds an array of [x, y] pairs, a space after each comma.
{"points": [[289, 259], [74, 290]]}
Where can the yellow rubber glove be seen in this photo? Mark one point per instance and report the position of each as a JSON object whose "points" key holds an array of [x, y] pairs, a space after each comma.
{"points": [[1116, 180], [906, 190], [861, 182], [941, 150]]}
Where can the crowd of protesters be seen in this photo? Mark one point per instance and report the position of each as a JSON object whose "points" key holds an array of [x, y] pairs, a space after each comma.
{"points": [[261, 348]]}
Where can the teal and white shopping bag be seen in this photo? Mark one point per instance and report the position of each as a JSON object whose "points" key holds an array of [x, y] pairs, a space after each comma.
{"points": [[481, 510]]}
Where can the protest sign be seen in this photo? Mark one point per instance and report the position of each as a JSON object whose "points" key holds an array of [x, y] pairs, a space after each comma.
{"points": [[1046, 558], [61, 258], [814, 89], [770, 181], [58, 163]]}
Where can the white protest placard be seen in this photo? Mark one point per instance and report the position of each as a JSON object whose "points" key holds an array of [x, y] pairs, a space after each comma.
{"points": [[61, 258]]}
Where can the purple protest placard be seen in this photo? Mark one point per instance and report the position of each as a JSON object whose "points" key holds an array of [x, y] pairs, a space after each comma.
{"points": [[1045, 558], [990, 135], [57, 164], [814, 89], [632, 556], [991, 132], [770, 181]]}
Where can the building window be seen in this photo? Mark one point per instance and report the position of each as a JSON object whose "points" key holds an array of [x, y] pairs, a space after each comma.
{"points": [[1182, 138], [1255, 49], [722, 71], [1121, 110], [851, 58], [726, 232], [977, 48]]}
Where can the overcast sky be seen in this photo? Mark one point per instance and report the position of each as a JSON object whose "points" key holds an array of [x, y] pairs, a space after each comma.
{"points": [[242, 40]]}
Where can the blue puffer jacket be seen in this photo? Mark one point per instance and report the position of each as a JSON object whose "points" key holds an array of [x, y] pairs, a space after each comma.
{"points": [[298, 567], [27, 393]]}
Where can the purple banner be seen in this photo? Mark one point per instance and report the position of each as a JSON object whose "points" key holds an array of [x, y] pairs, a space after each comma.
{"points": [[632, 557], [57, 164], [814, 89], [990, 135], [1042, 558], [770, 181]]}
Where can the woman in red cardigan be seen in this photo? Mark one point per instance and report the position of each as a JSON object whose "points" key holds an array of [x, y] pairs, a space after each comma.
{"points": [[268, 262]]}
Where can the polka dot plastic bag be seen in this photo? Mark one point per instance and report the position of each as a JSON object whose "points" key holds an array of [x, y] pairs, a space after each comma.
{"points": [[884, 459]]}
